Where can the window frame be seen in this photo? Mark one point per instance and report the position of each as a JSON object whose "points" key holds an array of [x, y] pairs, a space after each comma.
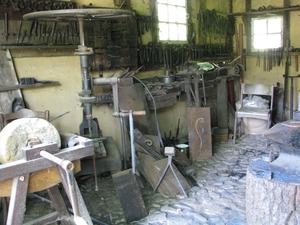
{"points": [[266, 17], [186, 26]]}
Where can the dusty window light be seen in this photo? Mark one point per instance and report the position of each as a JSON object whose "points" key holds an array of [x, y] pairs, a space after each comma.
{"points": [[267, 33], [172, 20]]}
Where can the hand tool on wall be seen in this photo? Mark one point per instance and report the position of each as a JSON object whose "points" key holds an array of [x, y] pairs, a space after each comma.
{"points": [[14, 5], [258, 59], [5, 26], [30, 30], [19, 31], [5, 2]]}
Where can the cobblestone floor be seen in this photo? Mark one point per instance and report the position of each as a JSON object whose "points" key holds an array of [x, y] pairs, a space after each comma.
{"points": [[219, 198]]}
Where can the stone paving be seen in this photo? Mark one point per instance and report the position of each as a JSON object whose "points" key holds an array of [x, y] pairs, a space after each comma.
{"points": [[219, 198]]}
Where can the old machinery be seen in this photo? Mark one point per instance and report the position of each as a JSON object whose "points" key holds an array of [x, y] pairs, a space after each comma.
{"points": [[81, 15], [33, 161]]}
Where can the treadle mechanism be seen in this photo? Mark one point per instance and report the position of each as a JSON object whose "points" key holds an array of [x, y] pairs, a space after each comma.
{"points": [[40, 157]]}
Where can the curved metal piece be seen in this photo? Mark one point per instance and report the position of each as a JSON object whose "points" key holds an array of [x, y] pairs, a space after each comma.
{"points": [[75, 14]]}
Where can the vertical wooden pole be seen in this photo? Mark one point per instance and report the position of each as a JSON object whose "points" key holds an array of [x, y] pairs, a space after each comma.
{"points": [[240, 50]]}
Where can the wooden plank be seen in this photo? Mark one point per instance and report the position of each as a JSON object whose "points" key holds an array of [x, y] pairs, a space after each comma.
{"points": [[22, 86], [129, 195], [199, 130], [74, 191], [38, 181], [17, 203], [222, 99], [130, 98], [8, 77], [21, 167]]}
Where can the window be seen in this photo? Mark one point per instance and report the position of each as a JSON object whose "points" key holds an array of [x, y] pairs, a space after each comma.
{"points": [[267, 33], [172, 20]]}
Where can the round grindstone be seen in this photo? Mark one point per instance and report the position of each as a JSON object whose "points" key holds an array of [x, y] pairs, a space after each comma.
{"points": [[16, 135]]}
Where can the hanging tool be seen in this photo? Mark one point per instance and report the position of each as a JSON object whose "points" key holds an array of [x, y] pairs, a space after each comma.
{"points": [[30, 31], [258, 59], [6, 26], [19, 31], [177, 131], [265, 61]]}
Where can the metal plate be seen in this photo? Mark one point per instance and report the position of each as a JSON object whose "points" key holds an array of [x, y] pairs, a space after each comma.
{"points": [[199, 129]]}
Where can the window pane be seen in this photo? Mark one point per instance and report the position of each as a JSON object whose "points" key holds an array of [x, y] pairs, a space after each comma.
{"points": [[173, 32], [172, 10], [182, 33], [163, 31], [274, 25], [162, 12], [162, 1], [172, 20], [259, 41], [260, 27], [274, 40], [181, 2], [172, 2], [181, 15]]}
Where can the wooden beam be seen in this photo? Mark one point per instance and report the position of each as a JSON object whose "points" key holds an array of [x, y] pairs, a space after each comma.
{"points": [[35, 85], [247, 5]]}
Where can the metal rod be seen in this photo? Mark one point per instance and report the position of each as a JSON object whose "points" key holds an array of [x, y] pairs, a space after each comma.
{"points": [[19, 31], [59, 116], [68, 167], [187, 89], [132, 142], [292, 98], [204, 92], [65, 164], [115, 97], [6, 26], [95, 173], [196, 86], [81, 33], [124, 149]]}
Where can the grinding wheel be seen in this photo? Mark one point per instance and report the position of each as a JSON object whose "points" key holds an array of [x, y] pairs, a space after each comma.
{"points": [[16, 135]]}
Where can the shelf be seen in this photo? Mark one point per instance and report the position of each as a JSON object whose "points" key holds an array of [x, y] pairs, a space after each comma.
{"points": [[35, 85], [294, 8]]}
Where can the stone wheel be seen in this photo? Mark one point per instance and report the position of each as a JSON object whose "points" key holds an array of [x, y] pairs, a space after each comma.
{"points": [[270, 202], [17, 134]]}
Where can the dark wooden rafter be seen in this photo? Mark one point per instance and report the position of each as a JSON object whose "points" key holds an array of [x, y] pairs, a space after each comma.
{"points": [[247, 24], [286, 22]]}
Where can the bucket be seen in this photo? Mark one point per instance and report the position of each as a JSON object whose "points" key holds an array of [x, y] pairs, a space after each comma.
{"points": [[183, 148]]}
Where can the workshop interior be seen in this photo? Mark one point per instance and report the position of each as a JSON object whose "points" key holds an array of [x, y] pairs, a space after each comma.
{"points": [[141, 90]]}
